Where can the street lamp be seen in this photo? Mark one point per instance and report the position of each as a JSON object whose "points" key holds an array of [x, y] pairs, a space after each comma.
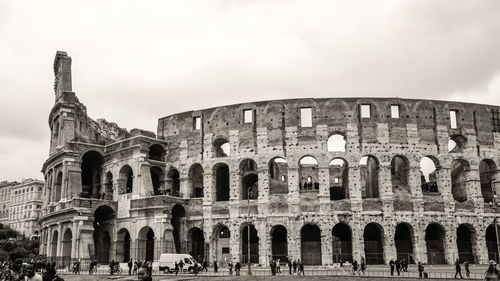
{"points": [[249, 192], [496, 233]]}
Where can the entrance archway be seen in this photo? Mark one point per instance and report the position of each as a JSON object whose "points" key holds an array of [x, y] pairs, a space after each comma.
{"points": [[279, 243], [146, 244], [177, 221], [491, 243], [310, 246], [123, 245], [66, 244], [374, 249], [254, 244], [342, 243], [103, 217], [466, 243], [197, 241], [53, 244], [403, 239], [222, 236], [435, 242]]}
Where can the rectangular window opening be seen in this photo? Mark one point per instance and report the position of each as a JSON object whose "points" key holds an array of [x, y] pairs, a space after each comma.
{"points": [[306, 117], [495, 120], [453, 119], [395, 111], [365, 111], [196, 123], [247, 116]]}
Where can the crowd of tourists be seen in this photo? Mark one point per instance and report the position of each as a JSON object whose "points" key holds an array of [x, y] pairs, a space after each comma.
{"points": [[30, 271]]}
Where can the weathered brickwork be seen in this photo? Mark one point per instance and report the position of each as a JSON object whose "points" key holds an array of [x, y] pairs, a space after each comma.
{"points": [[116, 194]]}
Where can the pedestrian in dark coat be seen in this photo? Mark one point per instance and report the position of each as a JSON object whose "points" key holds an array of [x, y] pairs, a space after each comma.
{"points": [[237, 268], [398, 267], [289, 267], [458, 269], [391, 265], [130, 264], [216, 266], [420, 270], [294, 267]]}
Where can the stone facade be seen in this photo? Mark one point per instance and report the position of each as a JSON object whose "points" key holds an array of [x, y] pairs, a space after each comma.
{"points": [[207, 176], [5, 187], [26, 207]]}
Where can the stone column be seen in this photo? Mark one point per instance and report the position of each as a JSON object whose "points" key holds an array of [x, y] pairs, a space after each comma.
{"points": [[74, 231], [385, 187], [481, 249], [358, 243], [264, 246], [324, 189], [235, 243], [389, 245], [444, 187], [414, 181], [326, 244], [48, 235], [293, 189], [451, 249], [59, 239], [473, 188], [355, 187], [263, 183], [420, 247]]}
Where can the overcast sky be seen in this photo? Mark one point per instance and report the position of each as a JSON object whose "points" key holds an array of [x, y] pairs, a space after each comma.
{"points": [[134, 62]]}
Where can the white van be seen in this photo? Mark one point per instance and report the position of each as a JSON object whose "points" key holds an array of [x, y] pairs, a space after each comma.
{"points": [[167, 262]]}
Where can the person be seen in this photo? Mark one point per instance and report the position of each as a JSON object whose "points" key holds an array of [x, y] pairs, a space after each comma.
{"points": [[458, 269], [143, 275], [31, 275], [289, 267], [301, 267], [204, 265], [149, 267], [391, 265], [176, 268], [237, 268], [230, 266], [216, 266], [130, 267], [272, 264], [78, 265], [467, 269], [354, 267], [181, 266], [49, 273], [294, 266], [341, 266], [420, 269], [398, 267], [135, 268], [404, 265], [492, 273], [195, 268], [91, 268], [363, 265]]}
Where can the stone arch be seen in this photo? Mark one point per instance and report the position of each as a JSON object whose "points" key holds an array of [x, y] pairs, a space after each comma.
{"points": [[157, 180], [339, 179], [342, 242], [337, 142], [103, 220], [108, 187], [369, 170], [91, 166], [221, 181], [126, 180], [249, 178], [308, 173], [429, 167], [221, 240], [489, 177], [156, 152], [178, 221], [456, 143], [435, 240], [491, 242], [66, 244], [404, 242], [459, 173], [53, 244], [58, 187], [173, 182], [399, 174], [123, 240], [221, 147], [254, 243], [310, 248], [373, 236], [278, 176], [279, 243], [467, 243], [196, 241], [146, 244], [195, 179]]}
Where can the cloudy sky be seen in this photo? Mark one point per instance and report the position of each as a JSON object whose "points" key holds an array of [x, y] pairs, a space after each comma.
{"points": [[136, 61]]}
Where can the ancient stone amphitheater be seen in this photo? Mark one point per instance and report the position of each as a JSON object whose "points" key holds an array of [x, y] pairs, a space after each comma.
{"points": [[315, 179]]}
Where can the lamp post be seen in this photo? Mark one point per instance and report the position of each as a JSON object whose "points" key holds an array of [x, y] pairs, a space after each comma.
{"points": [[249, 190], [496, 234]]}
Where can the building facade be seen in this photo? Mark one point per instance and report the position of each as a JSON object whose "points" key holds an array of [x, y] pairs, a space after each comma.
{"points": [[315, 179], [26, 207], [5, 187]]}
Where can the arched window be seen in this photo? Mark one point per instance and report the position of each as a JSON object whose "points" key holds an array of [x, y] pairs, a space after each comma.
{"points": [[459, 179], [173, 182], [399, 174], [428, 176], [126, 180], [156, 152], [157, 180], [308, 173], [339, 179], [221, 148], [456, 143], [249, 179], [195, 177], [336, 142], [369, 169], [488, 176], [221, 176], [278, 176]]}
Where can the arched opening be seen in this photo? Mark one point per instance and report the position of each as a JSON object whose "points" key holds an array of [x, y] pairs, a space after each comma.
{"points": [[91, 174], [123, 245], [222, 236], [221, 172], [435, 243], [456, 143], [279, 243], [399, 174], [177, 221], [103, 219], [126, 180], [53, 244], [157, 179], [278, 176], [428, 174], [308, 173], [310, 241], [195, 178], [336, 142], [197, 241], [488, 176], [108, 187], [339, 179], [173, 182], [342, 243], [222, 148], [491, 243], [374, 250], [249, 179], [146, 244], [66, 245], [369, 168], [58, 187], [459, 172], [403, 239], [156, 152], [254, 244], [466, 243]]}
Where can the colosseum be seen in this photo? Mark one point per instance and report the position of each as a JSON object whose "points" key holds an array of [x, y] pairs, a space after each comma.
{"points": [[313, 179]]}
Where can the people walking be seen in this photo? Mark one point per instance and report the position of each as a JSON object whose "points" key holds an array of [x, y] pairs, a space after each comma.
{"points": [[294, 266], [300, 264], [204, 266], [398, 267], [230, 266], [272, 264], [176, 268], [289, 266], [363, 265], [404, 265], [420, 269], [278, 267], [354, 267], [467, 269], [237, 268], [392, 265], [130, 264], [458, 269], [216, 266], [492, 273]]}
